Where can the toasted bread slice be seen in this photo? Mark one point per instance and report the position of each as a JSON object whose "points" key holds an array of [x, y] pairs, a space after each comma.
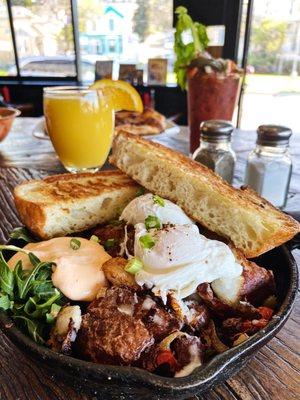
{"points": [[67, 203], [251, 223]]}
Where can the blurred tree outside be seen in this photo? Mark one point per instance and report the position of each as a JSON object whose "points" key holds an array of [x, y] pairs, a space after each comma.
{"points": [[141, 20], [267, 39], [152, 17], [57, 13]]}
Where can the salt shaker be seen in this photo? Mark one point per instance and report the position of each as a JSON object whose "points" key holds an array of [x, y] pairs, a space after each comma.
{"points": [[269, 165], [215, 148]]}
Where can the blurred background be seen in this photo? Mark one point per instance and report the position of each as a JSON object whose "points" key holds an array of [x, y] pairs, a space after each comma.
{"points": [[53, 42]]}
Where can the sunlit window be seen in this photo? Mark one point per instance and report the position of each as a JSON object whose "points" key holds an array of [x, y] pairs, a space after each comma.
{"points": [[44, 37], [7, 61], [273, 79], [126, 32]]}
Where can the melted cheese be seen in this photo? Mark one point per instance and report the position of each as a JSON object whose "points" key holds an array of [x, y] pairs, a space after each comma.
{"points": [[78, 273]]}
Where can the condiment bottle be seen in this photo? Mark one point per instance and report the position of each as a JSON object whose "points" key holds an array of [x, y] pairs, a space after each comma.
{"points": [[215, 148], [269, 165]]}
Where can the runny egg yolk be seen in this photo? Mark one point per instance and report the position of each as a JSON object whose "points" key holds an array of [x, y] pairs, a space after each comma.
{"points": [[78, 273]]}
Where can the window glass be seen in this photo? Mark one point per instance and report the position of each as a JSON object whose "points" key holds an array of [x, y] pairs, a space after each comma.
{"points": [[7, 60], [127, 32], [44, 37], [273, 73]]}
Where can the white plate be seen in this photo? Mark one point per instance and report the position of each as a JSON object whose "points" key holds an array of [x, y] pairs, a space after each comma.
{"points": [[39, 131]]}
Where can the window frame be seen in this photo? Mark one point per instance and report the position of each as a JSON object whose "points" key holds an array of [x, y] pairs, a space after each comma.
{"points": [[18, 78], [233, 8]]}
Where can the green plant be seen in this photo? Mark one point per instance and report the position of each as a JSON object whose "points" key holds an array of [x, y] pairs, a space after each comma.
{"points": [[267, 39], [186, 52], [29, 296]]}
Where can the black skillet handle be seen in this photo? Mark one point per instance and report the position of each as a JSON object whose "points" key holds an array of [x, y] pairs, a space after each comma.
{"points": [[294, 243]]}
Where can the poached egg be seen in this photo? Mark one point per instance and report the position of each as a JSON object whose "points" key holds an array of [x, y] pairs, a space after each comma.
{"points": [[141, 207], [181, 259]]}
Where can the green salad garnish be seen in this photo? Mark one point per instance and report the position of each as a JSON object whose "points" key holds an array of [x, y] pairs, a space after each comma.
{"points": [[22, 234], [29, 296]]}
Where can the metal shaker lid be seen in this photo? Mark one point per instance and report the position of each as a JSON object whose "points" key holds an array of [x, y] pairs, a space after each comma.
{"points": [[216, 129], [273, 135]]}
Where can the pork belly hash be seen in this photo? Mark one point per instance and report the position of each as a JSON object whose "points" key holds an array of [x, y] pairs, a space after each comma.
{"points": [[147, 290]]}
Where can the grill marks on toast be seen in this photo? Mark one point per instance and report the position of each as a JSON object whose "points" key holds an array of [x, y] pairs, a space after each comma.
{"points": [[64, 204]]}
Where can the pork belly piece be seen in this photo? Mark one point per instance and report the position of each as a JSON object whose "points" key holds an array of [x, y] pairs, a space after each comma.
{"points": [[222, 309], [177, 355], [110, 334], [234, 327], [159, 321], [254, 285], [119, 326]]}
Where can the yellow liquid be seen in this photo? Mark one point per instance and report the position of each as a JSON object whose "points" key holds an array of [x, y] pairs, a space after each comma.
{"points": [[81, 129]]}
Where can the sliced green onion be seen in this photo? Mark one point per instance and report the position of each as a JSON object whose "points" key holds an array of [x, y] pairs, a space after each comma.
{"points": [[158, 200], [152, 222], [75, 244], [94, 238], [109, 243], [147, 241], [140, 191], [133, 266]]}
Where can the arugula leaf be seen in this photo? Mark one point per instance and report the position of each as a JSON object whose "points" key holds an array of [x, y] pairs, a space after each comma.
{"points": [[29, 295], [22, 234], [5, 302], [34, 328], [51, 317], [37, 310], [186, 52], [26, 285], [44, 289], [12, 248], [6, 277], [34, 259]]}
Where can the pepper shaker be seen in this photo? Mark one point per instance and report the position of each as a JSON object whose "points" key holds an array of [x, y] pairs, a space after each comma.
{"points": [[269, 165], [215, 148]]}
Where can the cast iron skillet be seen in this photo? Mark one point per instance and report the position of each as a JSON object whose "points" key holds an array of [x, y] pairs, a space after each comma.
{"points": [[114, 382]]}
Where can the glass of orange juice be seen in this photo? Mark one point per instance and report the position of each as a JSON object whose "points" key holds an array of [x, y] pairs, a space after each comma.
{"points": [[80, 123]]}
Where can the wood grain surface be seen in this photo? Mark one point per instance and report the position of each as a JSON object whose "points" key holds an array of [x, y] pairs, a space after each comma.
{"points": [[272, 374]]}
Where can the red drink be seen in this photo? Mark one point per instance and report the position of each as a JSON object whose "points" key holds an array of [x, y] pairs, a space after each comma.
{"points": [[210, 96]]}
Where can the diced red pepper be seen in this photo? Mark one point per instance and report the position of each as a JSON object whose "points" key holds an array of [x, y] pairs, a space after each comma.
{"points": [[166, 357], [265, 312]]}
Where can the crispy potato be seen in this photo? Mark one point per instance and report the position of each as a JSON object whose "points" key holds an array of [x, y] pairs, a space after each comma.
{"points": [[115, 273]]}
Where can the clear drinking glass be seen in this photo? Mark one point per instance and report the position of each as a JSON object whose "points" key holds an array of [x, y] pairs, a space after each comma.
{"points": [[80, 123]]}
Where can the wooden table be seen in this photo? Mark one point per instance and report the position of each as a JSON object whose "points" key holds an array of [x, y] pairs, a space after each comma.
{"points": [[272, 374]]}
